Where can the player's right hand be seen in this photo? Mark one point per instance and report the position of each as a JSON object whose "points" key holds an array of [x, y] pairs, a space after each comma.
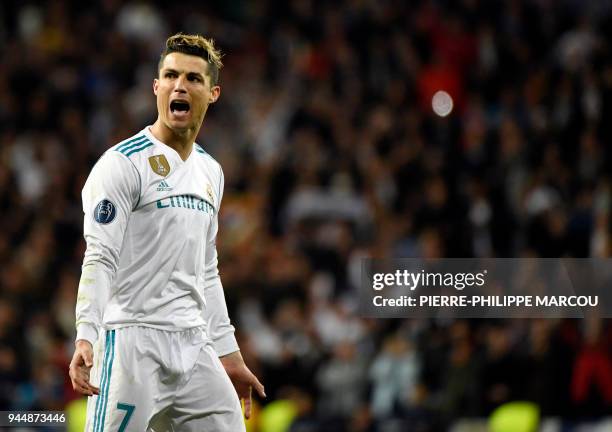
{"points": [[81, 364]]}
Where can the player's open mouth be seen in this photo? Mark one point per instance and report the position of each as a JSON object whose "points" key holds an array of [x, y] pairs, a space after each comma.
{"points": [[179, 107]]}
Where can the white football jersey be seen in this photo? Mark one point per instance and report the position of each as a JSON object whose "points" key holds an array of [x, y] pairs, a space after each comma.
{"points": [[151, 222]]}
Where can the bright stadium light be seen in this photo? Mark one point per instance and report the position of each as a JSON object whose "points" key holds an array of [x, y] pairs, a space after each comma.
{"points": [[442, 103]]}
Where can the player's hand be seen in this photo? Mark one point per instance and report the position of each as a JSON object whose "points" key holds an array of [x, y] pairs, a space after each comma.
{"points": [[81, 364], [243, 379]]}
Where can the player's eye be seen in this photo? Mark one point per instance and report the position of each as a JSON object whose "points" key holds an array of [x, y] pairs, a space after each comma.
{"points": [[195, 78], [170, 75]]}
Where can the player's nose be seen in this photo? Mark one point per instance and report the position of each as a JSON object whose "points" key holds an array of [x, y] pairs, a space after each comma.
{"points": [[179, 84]]}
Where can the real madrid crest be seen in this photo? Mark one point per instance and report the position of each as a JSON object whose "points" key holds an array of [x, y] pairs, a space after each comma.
{"points": [[159, 165], [209, 193]]}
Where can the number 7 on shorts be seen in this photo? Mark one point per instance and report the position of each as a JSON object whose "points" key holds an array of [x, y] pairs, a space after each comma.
{"points": [[129, 410]]}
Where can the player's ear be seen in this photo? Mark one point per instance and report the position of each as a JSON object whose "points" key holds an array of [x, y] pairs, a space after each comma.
{"points": [[215, 92], [155, 86]]}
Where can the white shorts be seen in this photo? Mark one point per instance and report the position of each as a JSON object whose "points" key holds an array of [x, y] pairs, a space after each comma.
{"points": [[160, 381]]}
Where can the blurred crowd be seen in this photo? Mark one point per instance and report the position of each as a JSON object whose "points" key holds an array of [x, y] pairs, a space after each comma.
{"points": [[332, 153]]}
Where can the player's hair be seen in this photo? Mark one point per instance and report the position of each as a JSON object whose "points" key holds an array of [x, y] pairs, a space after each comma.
{"points": [[195, 45]]}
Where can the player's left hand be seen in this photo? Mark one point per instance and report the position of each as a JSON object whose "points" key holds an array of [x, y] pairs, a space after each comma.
{"points": [[243, 379]]}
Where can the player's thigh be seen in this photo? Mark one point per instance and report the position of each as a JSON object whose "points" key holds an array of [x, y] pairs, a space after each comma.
{"points": [[207, 401], [128, 386]]}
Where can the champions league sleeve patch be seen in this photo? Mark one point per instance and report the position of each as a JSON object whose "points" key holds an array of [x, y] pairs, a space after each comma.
{"points": [[105, 212]]}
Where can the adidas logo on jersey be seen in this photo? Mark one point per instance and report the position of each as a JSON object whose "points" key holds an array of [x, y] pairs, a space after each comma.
{"points": [[164, 186]]}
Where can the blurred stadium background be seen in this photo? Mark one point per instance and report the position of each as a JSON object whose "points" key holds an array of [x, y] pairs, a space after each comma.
{"points": [[332, 153]]}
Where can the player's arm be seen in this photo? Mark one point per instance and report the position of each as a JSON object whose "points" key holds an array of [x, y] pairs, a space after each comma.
{"points": [[220, 328], [109, 195]]}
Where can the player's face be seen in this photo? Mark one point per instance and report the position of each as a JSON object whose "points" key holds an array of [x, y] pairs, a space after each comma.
{"points": [[183, 91]]}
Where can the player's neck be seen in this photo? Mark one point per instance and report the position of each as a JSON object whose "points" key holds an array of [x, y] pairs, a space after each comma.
{"points": [[181, 141]]}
